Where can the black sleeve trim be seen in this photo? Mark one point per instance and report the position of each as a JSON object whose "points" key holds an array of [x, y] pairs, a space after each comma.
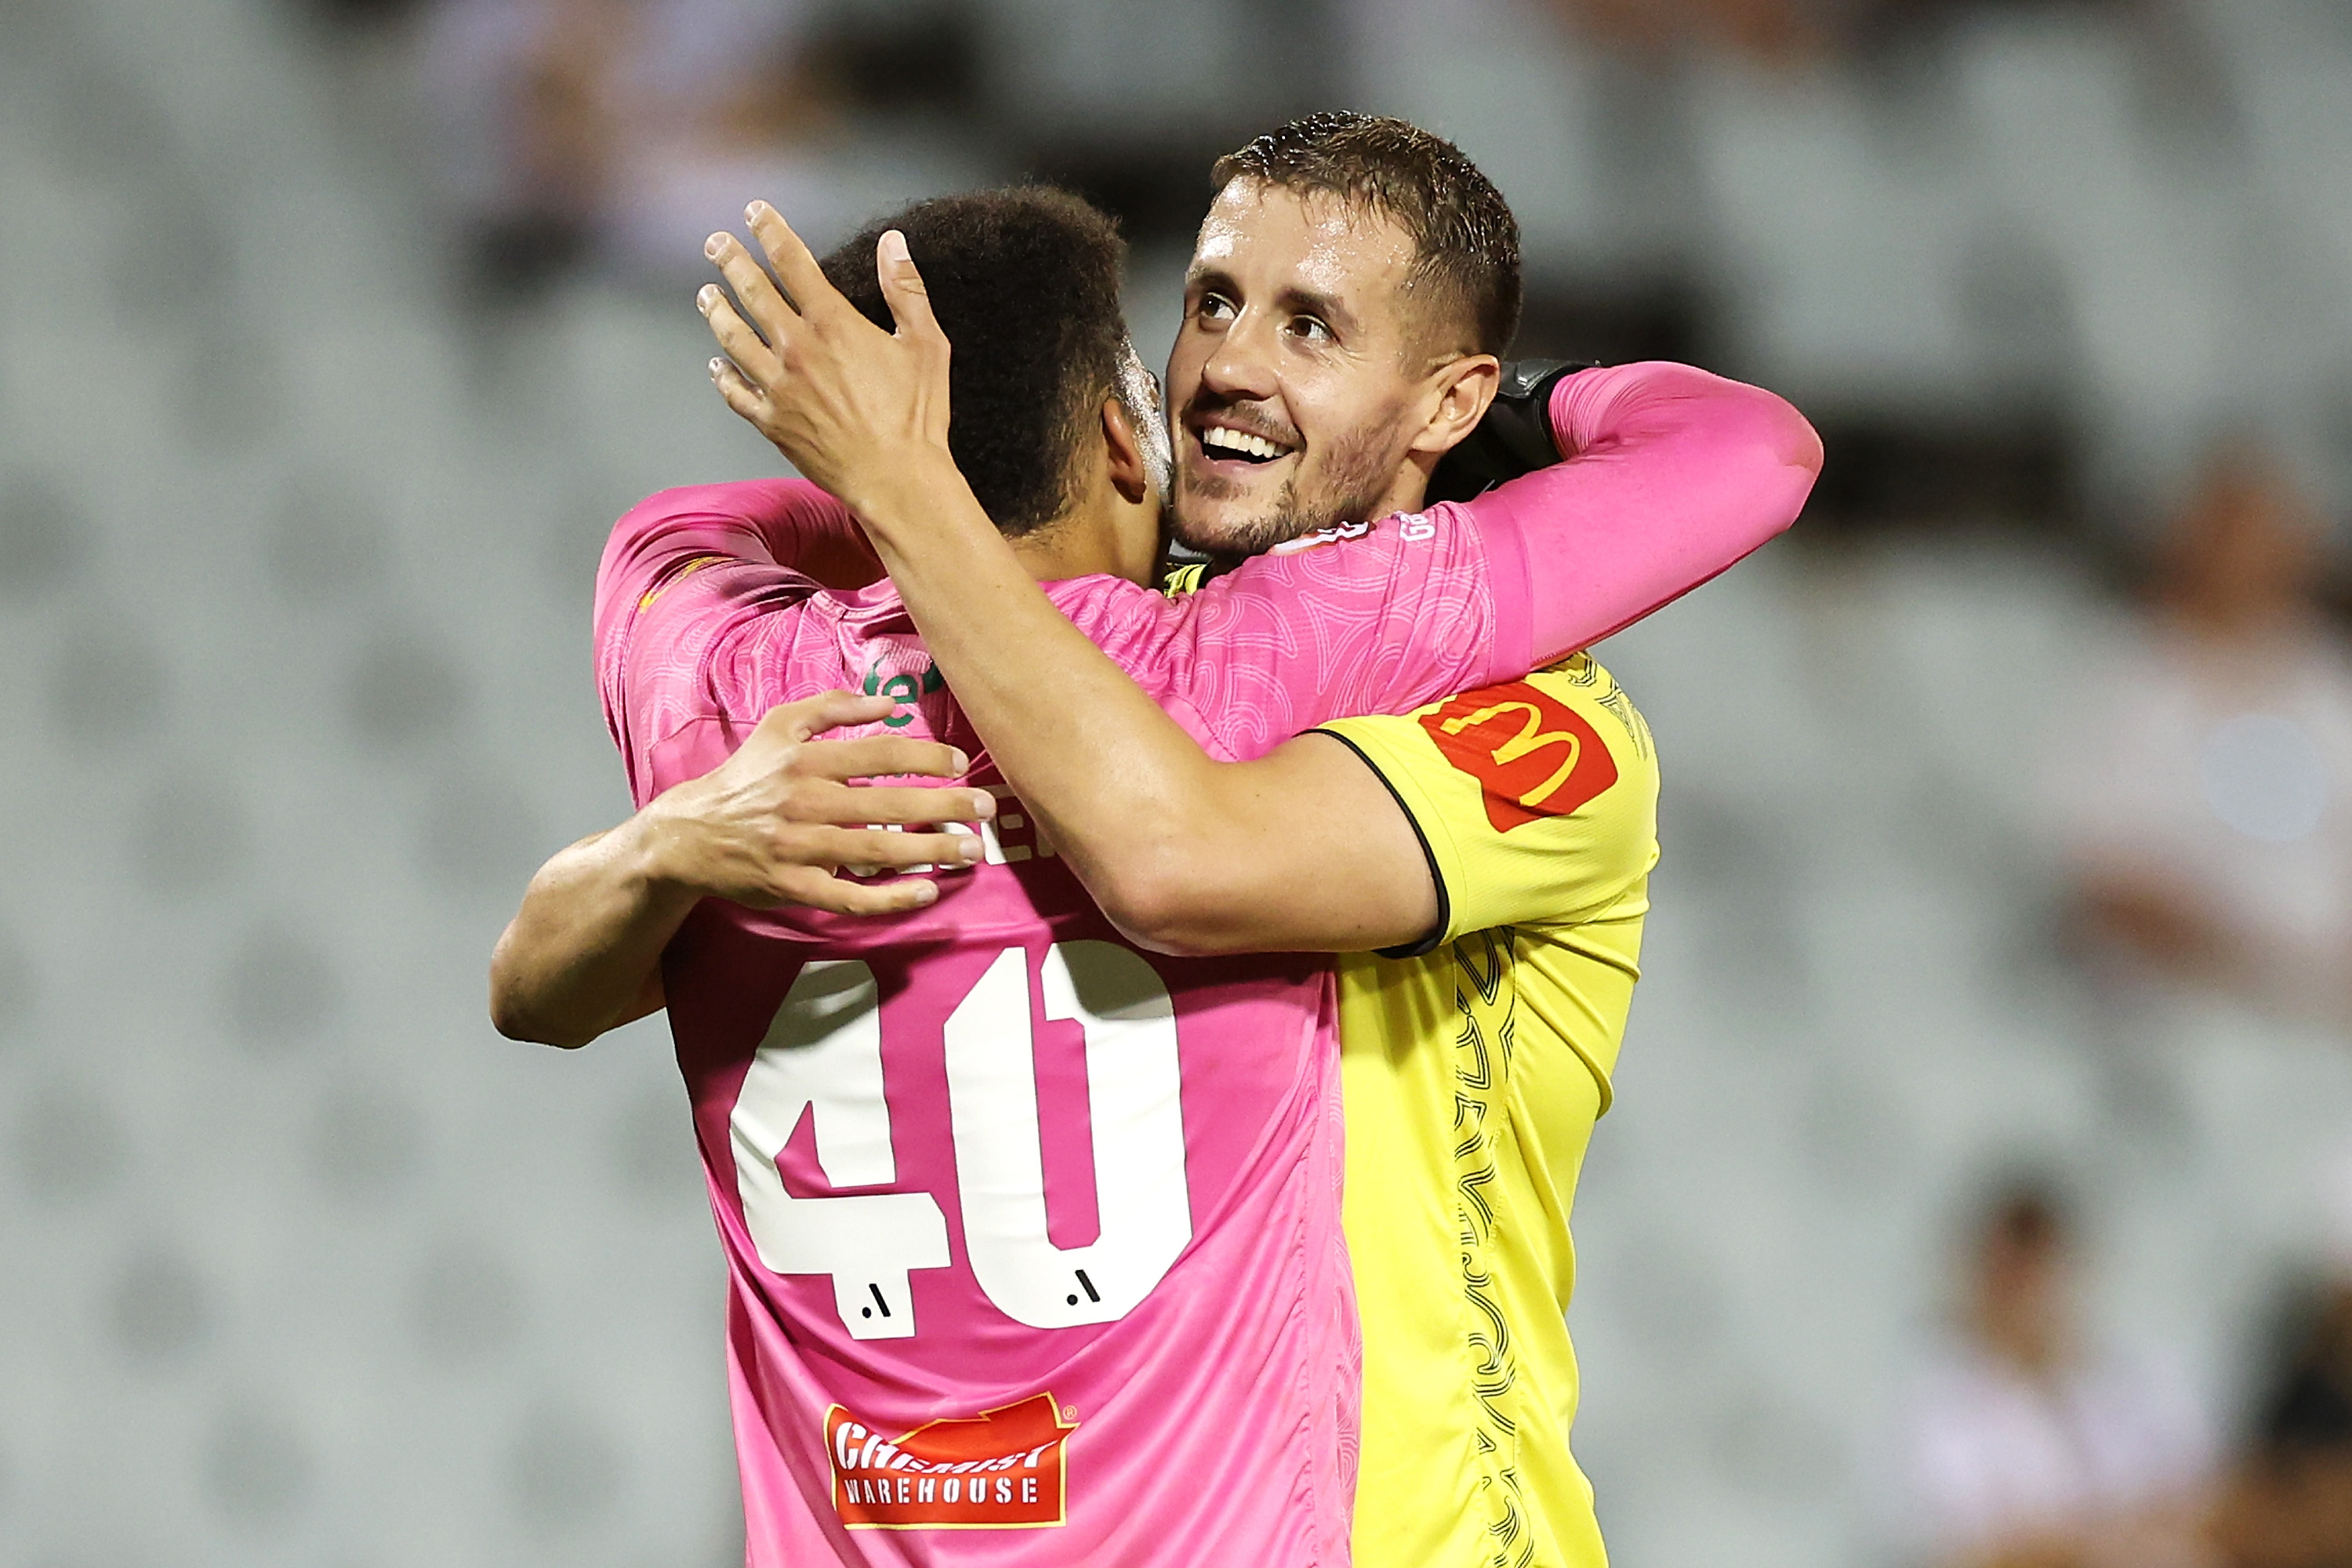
{"points": [[1427, 944]]}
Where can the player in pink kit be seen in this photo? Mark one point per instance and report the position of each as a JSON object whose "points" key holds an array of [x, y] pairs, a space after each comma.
{"points": [[1034, 1239]]}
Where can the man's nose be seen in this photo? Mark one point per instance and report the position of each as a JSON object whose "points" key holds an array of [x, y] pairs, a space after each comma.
{"points": [[1242, 365]]}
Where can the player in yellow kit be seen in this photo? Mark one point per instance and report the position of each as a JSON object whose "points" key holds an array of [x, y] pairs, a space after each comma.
{"points": [[1473, 1069]]}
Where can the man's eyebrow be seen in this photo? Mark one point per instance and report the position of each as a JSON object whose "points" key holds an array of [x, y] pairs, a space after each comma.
{"points": [[1203, 276], [1326, 308]]}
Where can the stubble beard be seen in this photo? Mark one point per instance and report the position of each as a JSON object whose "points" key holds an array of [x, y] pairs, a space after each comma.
{"points": [[1353, 483]]}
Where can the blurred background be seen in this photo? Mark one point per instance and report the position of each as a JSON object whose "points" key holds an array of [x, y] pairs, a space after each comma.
{"points": [[1979, 1189]]}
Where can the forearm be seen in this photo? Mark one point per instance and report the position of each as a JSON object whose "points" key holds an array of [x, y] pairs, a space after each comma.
{"points": [[1671, 475], [583, 953], [1127, 797], [780, 522]]}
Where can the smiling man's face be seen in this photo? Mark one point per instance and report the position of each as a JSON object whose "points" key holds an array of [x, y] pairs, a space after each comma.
{"points": [[1298, 376]]}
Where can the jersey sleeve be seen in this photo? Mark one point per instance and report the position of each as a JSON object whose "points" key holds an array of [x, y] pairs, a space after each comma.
{"points": [[1671, 477], [1365, 618], [684, 571], [1535, 799]]}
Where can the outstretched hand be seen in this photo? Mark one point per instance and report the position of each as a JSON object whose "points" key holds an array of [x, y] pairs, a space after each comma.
{"points": [[848, 403]]}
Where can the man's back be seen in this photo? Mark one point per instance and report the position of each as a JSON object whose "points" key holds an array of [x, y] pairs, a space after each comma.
{"points": [[1027, 1231], [1216, 1418], [1049, 1217]]}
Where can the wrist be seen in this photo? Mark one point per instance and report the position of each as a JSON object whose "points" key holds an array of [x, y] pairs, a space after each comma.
{"points": [[913, 498], [656, 849]]}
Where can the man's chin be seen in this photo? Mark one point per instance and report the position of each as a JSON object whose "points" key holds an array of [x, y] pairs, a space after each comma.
{"points": [[1230, 526]]}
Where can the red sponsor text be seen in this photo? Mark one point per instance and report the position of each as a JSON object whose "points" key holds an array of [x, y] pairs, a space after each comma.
{"points": [[1006, 1469]]}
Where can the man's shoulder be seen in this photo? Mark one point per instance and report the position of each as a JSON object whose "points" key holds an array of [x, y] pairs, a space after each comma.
{"points": [[1580, 683], [1380, 547], [1543, 746], [1115, 613]]}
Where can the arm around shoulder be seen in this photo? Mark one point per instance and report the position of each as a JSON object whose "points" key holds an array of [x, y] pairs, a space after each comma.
{"points": [[583, 955], [1304, 850]]}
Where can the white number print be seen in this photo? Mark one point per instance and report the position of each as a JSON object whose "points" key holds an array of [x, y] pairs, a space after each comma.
{"points": [[1135, 1101], [823, 1054]]}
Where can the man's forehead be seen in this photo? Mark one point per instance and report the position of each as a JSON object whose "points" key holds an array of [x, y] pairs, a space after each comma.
{"points": [[1316, 240]]}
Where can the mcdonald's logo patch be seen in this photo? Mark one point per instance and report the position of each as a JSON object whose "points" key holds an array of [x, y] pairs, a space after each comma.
{"points": [[1531, 754]]}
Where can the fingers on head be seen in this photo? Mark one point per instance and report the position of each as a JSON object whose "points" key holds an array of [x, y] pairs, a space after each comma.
{"points": [[747, 348], [795, 265], [749, 279], [903, 286], [742, 397]]}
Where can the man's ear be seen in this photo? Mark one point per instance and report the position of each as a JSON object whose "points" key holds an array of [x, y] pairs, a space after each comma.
{"points": [[1131, 475], [1463, 390]]}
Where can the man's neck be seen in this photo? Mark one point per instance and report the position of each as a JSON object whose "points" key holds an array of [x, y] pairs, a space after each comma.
{"points": [[1406, 492], [1047, 554], [1083, 543]]}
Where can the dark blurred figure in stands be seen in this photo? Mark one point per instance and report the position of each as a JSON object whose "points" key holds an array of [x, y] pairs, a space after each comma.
{"points": [[2292, 1504], [620, 132], [2208, 788], [2030, 1447]]}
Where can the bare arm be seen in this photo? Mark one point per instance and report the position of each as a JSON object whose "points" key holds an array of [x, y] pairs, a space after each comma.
{"points": [[1302, 850], [1181, 851], [768, 826]]}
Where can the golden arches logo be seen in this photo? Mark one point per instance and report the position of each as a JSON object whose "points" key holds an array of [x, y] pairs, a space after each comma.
{"points": [[1532, 755]]}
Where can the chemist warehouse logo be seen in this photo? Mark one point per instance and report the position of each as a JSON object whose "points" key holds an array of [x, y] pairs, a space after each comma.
{"points": [[1005, 1469], [1533, 756]]}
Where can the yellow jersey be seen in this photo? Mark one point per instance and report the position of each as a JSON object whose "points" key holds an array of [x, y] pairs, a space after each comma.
{"points": [[1473, 1068]]}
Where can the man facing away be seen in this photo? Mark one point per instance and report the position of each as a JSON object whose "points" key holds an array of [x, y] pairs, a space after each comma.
{"points": [[1423, 920]]}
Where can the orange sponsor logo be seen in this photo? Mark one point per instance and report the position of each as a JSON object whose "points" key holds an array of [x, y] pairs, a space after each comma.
{"points": [[1006, 1469], [1533, 755]]}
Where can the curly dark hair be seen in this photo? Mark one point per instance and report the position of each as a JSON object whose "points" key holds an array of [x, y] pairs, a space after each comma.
{"points": [[1464, 233], [1026, 283]]}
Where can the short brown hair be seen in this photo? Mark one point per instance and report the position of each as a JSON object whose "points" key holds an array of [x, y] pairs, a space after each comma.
{"points": [[1467, 240], [1026, 284]]}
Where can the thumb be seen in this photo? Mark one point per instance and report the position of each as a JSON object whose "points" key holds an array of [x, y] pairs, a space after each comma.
{"points": [[903, 287]]}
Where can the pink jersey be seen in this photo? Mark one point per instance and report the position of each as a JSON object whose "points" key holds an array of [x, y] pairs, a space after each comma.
{"points": [[1035, 1239]]}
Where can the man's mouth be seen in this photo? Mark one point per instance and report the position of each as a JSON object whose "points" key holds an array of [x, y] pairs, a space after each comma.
{"points": [[1219, 444]]}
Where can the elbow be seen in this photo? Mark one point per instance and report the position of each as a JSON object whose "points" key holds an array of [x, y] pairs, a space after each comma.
{"points": [[1796, 445], [1784, 446], [1160, 907], [513, 1012], [1748, 438], [514, 1018], [1769, 457]]}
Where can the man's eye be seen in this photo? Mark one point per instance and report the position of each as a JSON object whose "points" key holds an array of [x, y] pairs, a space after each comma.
{"points": [[1215, 308], [1310, 327]]}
